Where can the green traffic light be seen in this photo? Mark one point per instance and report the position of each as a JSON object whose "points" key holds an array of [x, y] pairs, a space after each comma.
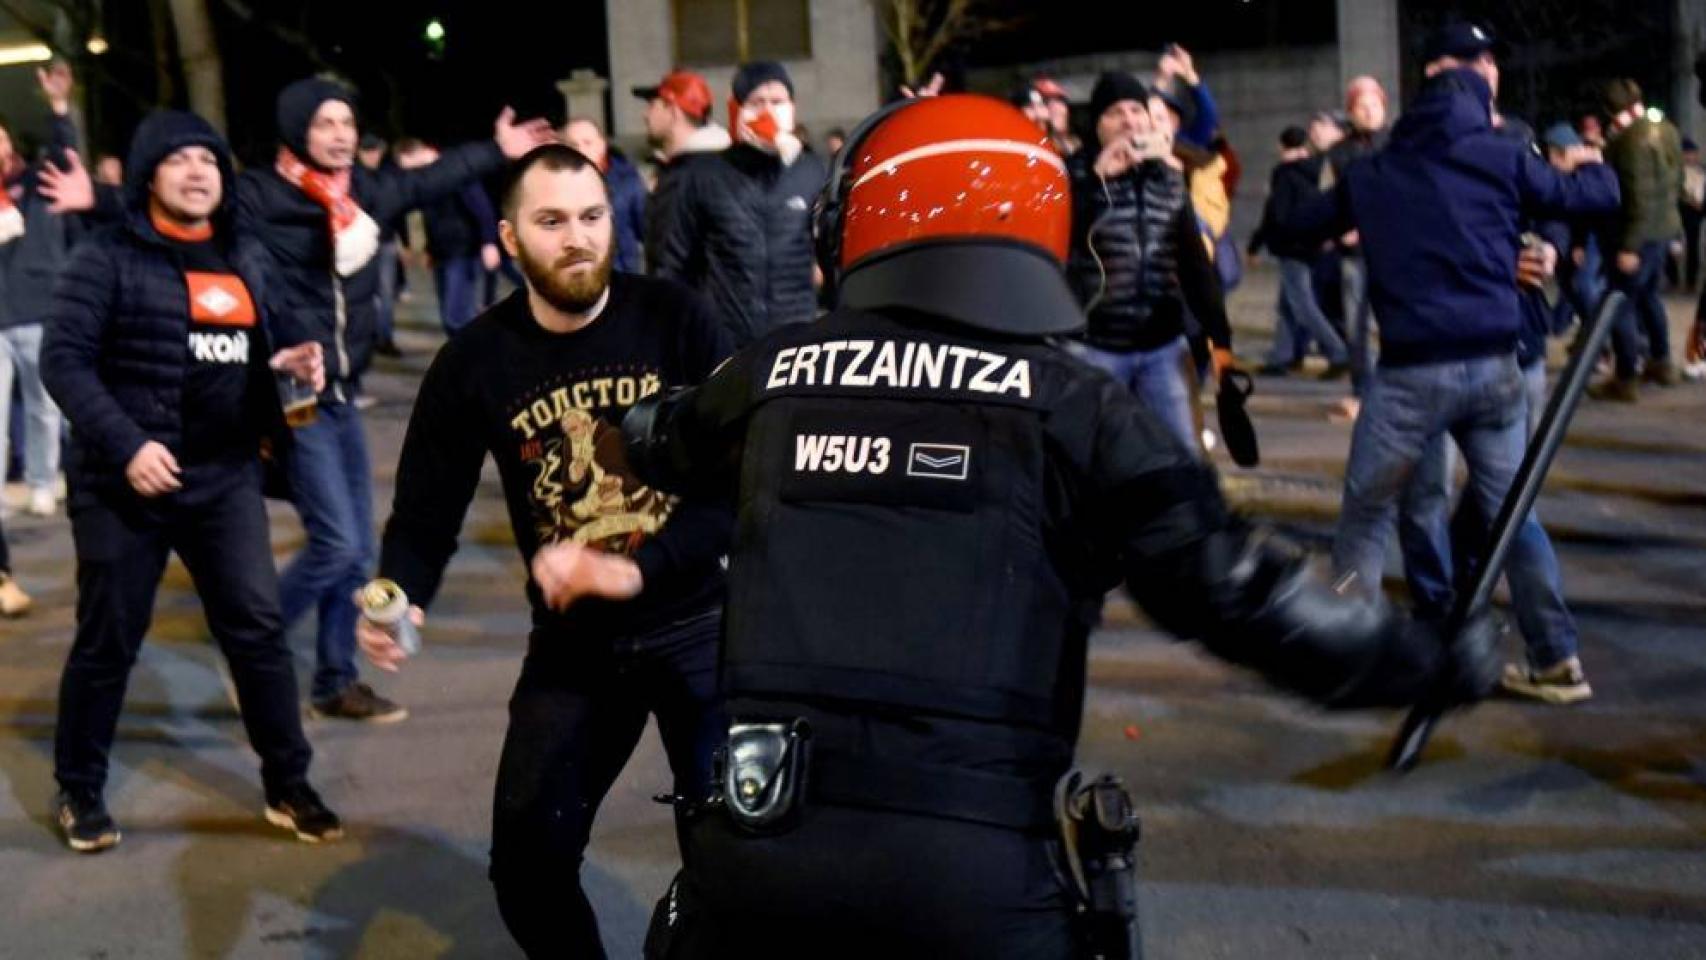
{"points": [[434, 31]]}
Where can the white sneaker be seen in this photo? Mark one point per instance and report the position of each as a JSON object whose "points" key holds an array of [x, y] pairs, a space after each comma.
{"points": [[42, 502]]}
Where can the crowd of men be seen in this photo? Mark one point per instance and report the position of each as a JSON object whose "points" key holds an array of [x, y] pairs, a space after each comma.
{"points": [[204, 332]]}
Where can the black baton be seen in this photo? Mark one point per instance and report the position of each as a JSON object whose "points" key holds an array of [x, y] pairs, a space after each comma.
{"points": [[1525, 488]]}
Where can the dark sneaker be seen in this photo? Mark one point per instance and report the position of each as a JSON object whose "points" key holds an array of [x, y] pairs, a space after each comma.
{"points": [[1277, 369], [388, 348], [1335, 371], [1617, 390], [1662, 372], [358, 702], [84, 821], [1562, 683], [300, 809]]}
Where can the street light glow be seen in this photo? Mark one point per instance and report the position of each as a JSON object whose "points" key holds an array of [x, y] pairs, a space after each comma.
{"points": [[97, 45], [25, 53], [434, 30], [1655, 115]]}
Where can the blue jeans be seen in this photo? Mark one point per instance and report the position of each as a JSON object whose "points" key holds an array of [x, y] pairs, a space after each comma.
{"points": [[1157, 377], [1643, 314], [1440, 550], [386, 297], [330, 483], [1359, 321], [1301, 318], [1407, 414], [458, 282], [20, 356]]}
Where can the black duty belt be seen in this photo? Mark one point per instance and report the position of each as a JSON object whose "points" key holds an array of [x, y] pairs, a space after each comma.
{"points": [[839, 777]]}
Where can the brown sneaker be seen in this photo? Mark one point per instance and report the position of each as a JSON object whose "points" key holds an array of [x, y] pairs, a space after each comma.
{"points": [[1662, 372], [14, 602], [358, 702], [1560, 684], [1617, 390]]}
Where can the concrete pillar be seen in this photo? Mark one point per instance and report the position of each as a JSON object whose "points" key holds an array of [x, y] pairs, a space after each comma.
{"points": [[1690, 21], [1369, 43], [642, 50], [583, 96]]}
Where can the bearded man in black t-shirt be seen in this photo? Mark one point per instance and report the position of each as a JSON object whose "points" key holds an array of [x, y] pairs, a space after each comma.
{"points": [[627, 584]]}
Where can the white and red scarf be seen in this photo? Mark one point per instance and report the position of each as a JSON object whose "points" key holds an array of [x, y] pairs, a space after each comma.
{"points": [[11, 218], [770, 129], [355, 235]]}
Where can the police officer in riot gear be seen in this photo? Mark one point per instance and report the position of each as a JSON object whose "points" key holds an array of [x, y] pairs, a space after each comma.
{"points": [[933, 500]]}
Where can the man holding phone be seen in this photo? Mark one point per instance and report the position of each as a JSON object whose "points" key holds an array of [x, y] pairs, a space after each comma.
{"points": [[1136, 259]]}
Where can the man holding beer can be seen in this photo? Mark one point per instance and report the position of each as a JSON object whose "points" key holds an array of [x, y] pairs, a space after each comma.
{"points": [[158, 354], [626, 585]]}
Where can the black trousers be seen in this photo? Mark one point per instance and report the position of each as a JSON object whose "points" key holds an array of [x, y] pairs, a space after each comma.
{"points": [[574, 720], [849, 882], [122, 544], [5, 554]]}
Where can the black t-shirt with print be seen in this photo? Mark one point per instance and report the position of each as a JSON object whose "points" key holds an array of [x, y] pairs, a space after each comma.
{"points": [[547, 407], [222, 334]]}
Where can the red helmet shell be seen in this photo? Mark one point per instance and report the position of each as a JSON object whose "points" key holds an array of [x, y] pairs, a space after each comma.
{"points": [[955, 167]]}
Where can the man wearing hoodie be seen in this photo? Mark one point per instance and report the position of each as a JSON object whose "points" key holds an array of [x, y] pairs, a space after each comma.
{"points": [[787, 179], [158, 349], [1647, 155], [316, 214], [703, 227], [1440, 212], [34, 245]]}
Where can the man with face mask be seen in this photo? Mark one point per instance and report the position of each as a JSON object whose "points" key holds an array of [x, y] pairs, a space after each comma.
{"points": [[626, 589], [786, 180], [316, 213], [158, 351]]}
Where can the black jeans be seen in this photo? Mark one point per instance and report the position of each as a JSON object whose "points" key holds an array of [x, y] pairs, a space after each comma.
{"points": [[573, 723], [122, 543]]}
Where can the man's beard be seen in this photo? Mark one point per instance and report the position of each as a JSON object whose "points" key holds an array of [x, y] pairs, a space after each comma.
{"points": [[570, 293]]}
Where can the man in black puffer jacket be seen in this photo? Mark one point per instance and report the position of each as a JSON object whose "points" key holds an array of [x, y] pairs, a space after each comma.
{"points": [[788, 179], [702, 223], [315, 213], [158, 352], [1138, 259]]}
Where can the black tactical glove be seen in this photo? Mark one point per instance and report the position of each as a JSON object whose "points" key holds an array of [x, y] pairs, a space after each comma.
{"points": [[1422, 663]]}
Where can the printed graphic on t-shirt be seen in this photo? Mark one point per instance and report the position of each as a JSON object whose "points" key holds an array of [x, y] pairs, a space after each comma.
{"points": [[582, 488], [219, 299], [221, 314]]}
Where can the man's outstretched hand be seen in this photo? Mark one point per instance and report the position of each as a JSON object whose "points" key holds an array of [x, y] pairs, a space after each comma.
{"points": [[567, 571]]}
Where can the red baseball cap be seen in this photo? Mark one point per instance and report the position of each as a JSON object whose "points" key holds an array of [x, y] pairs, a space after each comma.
{"points": [[681, 88]]}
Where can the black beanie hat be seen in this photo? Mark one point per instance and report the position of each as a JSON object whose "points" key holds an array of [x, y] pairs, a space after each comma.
{"points": [[753, 75], [297, 105], [161, 134], [1113, 87]]}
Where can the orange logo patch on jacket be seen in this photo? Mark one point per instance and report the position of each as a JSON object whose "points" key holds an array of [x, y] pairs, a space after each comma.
{"points": [[220, 299]]}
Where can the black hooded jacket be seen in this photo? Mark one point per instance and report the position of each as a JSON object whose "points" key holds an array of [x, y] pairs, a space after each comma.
{"points": [[306, 298], [114, 357]]}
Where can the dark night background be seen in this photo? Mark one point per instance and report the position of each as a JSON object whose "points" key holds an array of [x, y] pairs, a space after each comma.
{"points": [[514, 51]]}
